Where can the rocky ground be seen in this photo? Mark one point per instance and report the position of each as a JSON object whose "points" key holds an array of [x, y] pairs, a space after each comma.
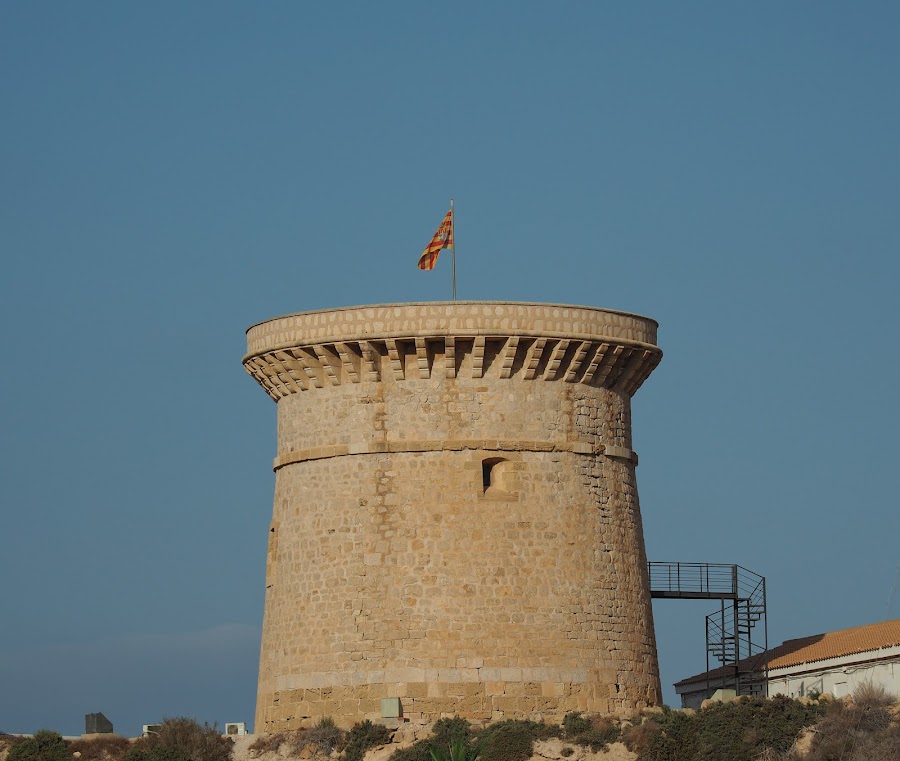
{"points": [[544, 750]]}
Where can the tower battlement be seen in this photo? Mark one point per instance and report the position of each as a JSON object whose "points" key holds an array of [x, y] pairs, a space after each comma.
{"points": [[308, 350], [456, 520]]}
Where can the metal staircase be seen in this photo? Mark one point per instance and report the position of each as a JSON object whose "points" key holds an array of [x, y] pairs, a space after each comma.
{"points": [[737, 633]]}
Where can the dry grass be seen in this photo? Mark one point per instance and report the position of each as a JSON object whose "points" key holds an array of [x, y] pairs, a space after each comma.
{"points": [[270, 743], [870, 695], [325, 736], [109, 748], [182, 736]]}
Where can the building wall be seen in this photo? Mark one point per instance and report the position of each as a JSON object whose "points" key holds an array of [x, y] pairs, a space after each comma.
{"points": [[457, 526], [839, 676], [836, 676]]}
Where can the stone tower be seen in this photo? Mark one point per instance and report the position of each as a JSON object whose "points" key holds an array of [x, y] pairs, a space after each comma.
{"points": [[456, 518]]}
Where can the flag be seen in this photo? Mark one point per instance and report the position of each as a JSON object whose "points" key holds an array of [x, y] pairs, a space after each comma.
{"points": [[443, 238]]}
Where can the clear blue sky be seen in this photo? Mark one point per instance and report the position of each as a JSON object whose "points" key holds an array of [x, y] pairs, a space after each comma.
{"points": [[172, 172]]}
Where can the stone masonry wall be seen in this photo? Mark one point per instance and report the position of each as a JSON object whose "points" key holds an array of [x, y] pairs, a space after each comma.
{"points": [[452, 529]]}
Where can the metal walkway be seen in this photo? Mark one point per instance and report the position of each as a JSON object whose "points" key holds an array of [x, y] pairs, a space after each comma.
{"points": [[732, 635]]}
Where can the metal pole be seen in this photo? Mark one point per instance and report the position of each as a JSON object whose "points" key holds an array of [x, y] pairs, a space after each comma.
{"points": [[453, 247], [724, 637], [707, 657], [766, 633], [736, 623]]}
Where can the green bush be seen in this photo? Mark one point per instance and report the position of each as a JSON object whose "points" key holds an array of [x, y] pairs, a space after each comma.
{"points": [[742, 730], [599, 734], [504, 741], [663, 737], [156, 753], [446, 731], [513, 740], [182, 739], [574, 724], [753, 729], [595, 734], [362, 736], [454, 735], [42, 746], [459, 750], [418, 751]]}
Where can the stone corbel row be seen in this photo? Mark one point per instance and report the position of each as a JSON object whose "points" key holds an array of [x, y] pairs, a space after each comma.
{"points": [[608, 363]]}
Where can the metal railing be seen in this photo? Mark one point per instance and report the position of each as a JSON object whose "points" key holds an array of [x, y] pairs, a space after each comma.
{"points": [[732, 635], [692, 580]]}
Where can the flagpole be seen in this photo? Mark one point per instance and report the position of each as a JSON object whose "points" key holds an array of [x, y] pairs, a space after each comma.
{"points": [[453, 247]]}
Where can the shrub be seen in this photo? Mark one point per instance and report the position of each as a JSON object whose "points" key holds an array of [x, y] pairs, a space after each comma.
{"points": [[870, 695], [574, 724], [639, 739], [512, 740], [508, 743], [362, 736], [270, 743], [326, 736], [882, 746], [595, 734], [460, 750], [446, 731], [182, 739], [418, 751], [744, 729], [599, 734], [739, 731], [103, 748], [504, 741], [42, 746], [846, 730], [156, 753], [664, 736]]}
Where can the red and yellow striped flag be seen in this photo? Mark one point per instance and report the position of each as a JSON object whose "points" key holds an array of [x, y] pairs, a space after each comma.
{"points": [[443, 238]]}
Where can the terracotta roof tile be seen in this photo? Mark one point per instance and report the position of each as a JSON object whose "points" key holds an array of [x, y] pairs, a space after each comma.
{"points": [[860, 639], [818, 647]]}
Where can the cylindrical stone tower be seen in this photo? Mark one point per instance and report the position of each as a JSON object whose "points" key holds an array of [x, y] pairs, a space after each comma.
{"points": [[456, 519]]}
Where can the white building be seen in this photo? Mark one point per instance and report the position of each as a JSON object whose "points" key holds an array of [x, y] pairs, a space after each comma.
{"points": [[835, 662]]}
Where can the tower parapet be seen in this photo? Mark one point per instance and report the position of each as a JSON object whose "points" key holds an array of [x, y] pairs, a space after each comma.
{"points": [[456, 520]]}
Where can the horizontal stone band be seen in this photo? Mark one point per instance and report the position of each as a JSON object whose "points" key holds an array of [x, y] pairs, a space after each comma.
{"points": [[455, 445], [319, 679]]}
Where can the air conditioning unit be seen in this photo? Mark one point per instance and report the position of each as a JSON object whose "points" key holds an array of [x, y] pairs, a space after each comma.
{"points": [[236, 728]]}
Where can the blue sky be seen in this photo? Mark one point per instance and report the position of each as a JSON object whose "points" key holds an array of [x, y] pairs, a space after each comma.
{"points": [[171, 173]]}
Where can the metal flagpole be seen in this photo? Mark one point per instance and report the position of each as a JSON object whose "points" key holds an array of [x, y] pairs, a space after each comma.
{"points": [[453, 246]]}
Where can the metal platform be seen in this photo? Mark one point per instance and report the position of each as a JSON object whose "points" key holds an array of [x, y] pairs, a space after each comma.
{"points": [[737, 633]]}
